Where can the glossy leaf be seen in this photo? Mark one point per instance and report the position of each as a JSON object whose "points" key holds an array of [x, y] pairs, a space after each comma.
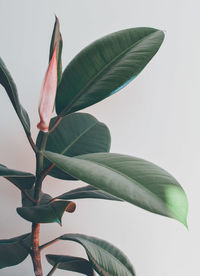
{"points": [[7, 82], [70, 263], [105, 257], [14, 251], [44, 199], [77, 134], [22, 180], [87, 192], [132, 179], [56, 41], [46, 213], [106, 66]]}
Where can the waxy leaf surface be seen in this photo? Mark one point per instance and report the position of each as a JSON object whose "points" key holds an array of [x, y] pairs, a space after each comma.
{"points": [[46, 213], [105, 258], [14, 251], [7, 82], [87, 192], [77, 134], [129, 178], [70, 263], [106, 66], [22, 180]]}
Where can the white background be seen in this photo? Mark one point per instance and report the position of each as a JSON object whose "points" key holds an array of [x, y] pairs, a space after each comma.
{"points": [[156, 117]]}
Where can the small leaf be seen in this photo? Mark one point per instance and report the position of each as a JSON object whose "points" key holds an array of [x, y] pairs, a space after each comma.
{"points": [[106, 66], [70, 263], [77, 133], [105, 257], [56, 41], [7, 82], [87, 192], [46, 213], [22, 180], [132, 179], [14, 251], [44, 198]]}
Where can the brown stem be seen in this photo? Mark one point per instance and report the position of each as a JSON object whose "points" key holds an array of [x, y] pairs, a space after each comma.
{"points": [[35, 250], [36, 258], [49, 243], [32, 143]]}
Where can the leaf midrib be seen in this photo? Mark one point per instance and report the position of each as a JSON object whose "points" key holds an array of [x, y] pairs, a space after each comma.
{"points": [[78, 137], [104, 250], [126, 177], [80, 93]]}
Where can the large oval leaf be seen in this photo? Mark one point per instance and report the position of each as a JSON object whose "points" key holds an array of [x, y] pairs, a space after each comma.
{"points": [[22, 180], [14, 251], [133, 179], [46, 213], [70, 263], [105, 257], [77, 134], [10, 87], [105, 66], [87, 192]]}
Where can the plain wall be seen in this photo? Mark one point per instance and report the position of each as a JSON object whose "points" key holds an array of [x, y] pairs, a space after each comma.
{"points": [[156, 117]]}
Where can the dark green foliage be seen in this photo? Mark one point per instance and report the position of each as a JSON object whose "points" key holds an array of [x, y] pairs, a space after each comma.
{"points": [[77, 133], [22, 180], [132, 179], [104, 257], [105, 66], [45, 213], [70, 263], [14, 251], [10, 87], [87, 192]]}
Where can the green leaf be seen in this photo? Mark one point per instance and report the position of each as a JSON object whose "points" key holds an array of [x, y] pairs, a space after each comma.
{"points": [[45, 213], [14, 251], [132, 179], [22, 180], [7, 82], [44, 198], [56, 40], [105, 257], [77, 134], [87, 192], [106, 66], [70, 263]]}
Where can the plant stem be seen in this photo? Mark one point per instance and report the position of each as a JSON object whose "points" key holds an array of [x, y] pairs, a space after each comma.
{"points": [[49, 243], [35, 250], [52, 270], [35, 254], [32, 143]]}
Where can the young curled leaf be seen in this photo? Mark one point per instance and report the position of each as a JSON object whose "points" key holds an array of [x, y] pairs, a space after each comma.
{"points": [[56, 41], [46, 213], [48, 94]]}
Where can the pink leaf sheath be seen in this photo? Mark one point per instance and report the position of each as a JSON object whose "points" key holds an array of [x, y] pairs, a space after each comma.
{"points": [[48, 94]]}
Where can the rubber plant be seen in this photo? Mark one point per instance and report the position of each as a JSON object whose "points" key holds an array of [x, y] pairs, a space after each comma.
{"points": [[75, 146]]}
